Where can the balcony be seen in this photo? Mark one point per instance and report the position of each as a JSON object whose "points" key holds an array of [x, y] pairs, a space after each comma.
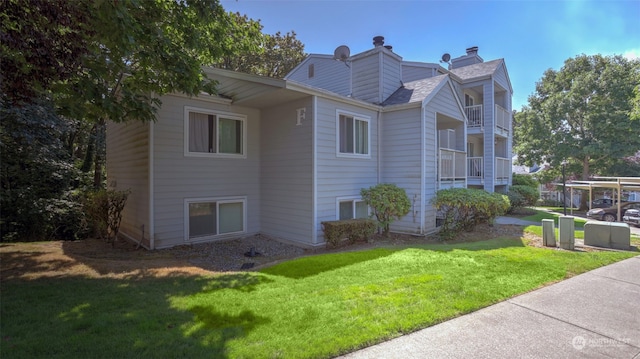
{"points": [[474, 116], [475, 170], [452, 168], [475, 119], [503, 170]]}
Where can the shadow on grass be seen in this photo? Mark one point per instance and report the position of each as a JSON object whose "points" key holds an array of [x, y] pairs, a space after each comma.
{"points": [[83, 317]]}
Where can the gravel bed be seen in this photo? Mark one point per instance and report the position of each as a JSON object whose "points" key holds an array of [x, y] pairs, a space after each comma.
{"points": [[229, 255]]}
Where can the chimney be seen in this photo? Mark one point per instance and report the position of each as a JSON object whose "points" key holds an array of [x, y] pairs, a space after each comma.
{"points": [[472, 51], [378, 41]]}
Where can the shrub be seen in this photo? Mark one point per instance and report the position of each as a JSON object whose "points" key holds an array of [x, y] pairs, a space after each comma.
{"points": [[516, 201], [530, 194], [104, 209], [464, 208], [352, 229], [524, 180], [388, 202]]}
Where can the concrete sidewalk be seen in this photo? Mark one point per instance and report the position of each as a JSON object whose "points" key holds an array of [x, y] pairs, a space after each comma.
{"points": [[592, 315]]}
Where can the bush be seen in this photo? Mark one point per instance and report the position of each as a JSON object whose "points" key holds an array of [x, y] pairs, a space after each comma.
{"points": [[388, 202], [464, 208], [548, 203], [524, 180], [352, 229], [104, 210], [516, 201], [530, 194]]}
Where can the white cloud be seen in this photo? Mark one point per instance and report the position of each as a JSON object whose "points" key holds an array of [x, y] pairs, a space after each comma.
{"points": [[633, 54]]}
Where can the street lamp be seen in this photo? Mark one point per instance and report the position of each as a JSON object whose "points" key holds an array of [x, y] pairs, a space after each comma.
{"points": [[564, 192]]}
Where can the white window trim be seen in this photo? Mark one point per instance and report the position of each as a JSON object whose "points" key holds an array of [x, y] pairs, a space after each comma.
{"points": [[352, 199], [228, 115], [358, 117], [218, 201], [473, 100]]}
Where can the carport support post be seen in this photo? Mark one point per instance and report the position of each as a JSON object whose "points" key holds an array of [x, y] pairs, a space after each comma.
{"points": [[548, 233], [567, 232]]}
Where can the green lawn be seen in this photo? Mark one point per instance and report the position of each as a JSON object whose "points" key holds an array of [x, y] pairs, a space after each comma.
{"points": [[313, 307], [540, 215]]}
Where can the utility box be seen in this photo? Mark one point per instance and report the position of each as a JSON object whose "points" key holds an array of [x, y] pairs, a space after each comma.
{"points": [[548, 233], [567, 232], [607, 235]]}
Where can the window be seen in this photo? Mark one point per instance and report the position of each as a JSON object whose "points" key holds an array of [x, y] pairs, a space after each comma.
{"points": [[311, 70], [210, 218], [352, 208], [468, 100], [353, 135], [213, 134]]}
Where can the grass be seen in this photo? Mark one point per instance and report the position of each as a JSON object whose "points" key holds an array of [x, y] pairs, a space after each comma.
{"points": [[313, 307], [540, 215]]}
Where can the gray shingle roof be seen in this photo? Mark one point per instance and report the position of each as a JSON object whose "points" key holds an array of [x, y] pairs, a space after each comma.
{"points": [[414, 91], [477, 70]]}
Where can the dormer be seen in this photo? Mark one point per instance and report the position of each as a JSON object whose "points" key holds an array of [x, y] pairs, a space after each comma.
{"points": [[470, 58], [376, 73]]}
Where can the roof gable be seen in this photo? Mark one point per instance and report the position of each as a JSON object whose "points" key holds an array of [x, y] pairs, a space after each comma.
{"points": [[415, 91]]}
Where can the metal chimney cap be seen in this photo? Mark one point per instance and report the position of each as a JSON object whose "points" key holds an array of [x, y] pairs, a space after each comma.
{"points": [[378, 41]]}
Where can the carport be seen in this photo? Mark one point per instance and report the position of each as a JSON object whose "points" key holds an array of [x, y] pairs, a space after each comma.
{"points": [[617, 183]]}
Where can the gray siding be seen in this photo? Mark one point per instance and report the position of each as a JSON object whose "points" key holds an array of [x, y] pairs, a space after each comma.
{"points": [[500, 76], [178, 177], [414, 73], [339, 176], [400, 153], [329, 74], [286, 173], [391, 75], [128, 169], [366, 78], [431, 166], [489, 138]]}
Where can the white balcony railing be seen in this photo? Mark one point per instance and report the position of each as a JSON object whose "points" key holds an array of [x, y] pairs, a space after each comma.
{"points": [[475, 168], [502, 118], [474, 116], [503, 168], [452, 164]]}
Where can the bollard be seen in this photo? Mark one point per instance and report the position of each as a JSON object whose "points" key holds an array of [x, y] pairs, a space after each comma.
{"points": [[548, 233], [567, 232]]}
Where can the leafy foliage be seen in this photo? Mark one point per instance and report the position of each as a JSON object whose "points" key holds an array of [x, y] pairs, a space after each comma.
{"points": [[276, 56], [529, 194], [464, 208], [582, 113], [516, 201], [352, 229], [525, 180], [36, 171], [388, 202]]}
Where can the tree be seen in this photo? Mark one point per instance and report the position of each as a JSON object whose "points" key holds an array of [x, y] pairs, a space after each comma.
{"points": [[277, 55], [581, 114], [388, 202]]}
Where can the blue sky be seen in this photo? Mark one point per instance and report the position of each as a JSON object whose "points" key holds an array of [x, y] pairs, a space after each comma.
{"points": [[531, 36]]}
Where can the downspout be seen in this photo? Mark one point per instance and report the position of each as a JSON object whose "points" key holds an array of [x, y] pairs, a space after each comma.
{"points": [[314, 172], [152, 227], [423, 165], [379, 149]]}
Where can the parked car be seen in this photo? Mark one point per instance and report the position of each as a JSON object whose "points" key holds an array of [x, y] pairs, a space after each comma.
{"points": [[632, 217], [611, 214], [602, 203]]}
